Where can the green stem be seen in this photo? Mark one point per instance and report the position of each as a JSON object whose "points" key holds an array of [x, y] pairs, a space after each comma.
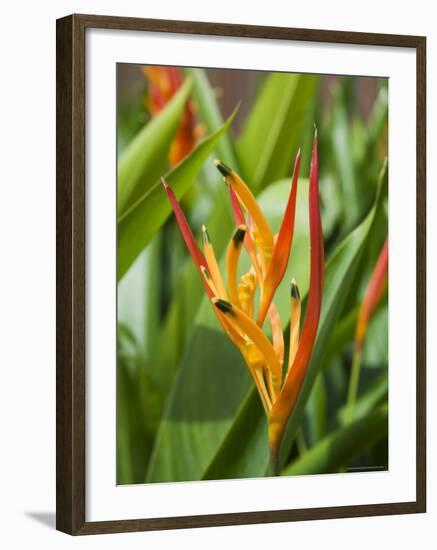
{"points": [[354, 379], [274, 462], [301, 443]]}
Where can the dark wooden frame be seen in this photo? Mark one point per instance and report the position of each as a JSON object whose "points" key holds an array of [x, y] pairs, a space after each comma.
{"points": [[71, 283]]}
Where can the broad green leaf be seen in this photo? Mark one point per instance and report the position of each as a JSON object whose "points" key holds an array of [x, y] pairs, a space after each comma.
{"points": [[366, 402], [339, 448], [144, 160], [316, 411], [137, 299], [342, 335], [210, 112], [339, 274], [211, 386], [124, 460], [132, 115], [378, 118], [331, 204], [140, 223], [134, 441], [250, 426], [274, 129], [341, 141], [337, 382], [375, 348]]}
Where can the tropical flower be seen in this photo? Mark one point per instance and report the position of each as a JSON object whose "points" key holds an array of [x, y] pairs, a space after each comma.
{"points": [[242, 320], [164, 82]]}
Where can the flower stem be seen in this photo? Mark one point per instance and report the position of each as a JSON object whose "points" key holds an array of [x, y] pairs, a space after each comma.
{"points": [[274, 462], [354, 380], [301, 443]]}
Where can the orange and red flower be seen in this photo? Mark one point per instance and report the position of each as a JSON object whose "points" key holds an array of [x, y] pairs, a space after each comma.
{"points": [[278, 385]]}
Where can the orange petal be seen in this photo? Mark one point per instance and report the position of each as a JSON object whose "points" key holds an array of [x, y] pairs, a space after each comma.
{"points": [[295, 311], [246, 291], [277, 334], [249, 245], [232, 256], [249, 202], [256, 335], [281, 252], [213, 266]]}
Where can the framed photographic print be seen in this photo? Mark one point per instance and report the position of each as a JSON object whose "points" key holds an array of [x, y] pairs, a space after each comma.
{"points": [[233, 344]]}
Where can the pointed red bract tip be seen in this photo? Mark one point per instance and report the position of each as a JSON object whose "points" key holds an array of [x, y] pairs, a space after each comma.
{"points": [[372, 295], [185, 229]]}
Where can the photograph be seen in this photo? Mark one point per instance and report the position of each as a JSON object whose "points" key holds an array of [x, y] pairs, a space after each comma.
{"points": [[252, 274]]}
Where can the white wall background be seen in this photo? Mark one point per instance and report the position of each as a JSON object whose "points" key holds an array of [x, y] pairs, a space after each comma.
{"points": [[27, 301]]}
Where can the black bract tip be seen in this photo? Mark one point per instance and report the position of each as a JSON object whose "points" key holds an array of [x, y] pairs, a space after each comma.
{"points": [[295, 291], [223, 169], [239, 236], [223, 306]]}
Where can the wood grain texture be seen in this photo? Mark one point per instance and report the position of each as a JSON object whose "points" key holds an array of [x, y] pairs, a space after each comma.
{"points": [[71, 273], [70, 276], [421, 274]]}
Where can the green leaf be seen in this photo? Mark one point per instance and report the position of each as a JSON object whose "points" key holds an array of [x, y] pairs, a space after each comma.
{"points": [[124, 459], [366, 402], [250, 426], [375, 348], [274, 129], [210, 387], [341, 336], [137, 299], [377, 128], [140, 223], [133, 434], [210, 113], [315, 412], [341, 143], [342, 446], [145, 158]]}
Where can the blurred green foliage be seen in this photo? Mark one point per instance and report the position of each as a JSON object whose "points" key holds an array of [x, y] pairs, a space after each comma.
{"points": [[186, 406]]}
